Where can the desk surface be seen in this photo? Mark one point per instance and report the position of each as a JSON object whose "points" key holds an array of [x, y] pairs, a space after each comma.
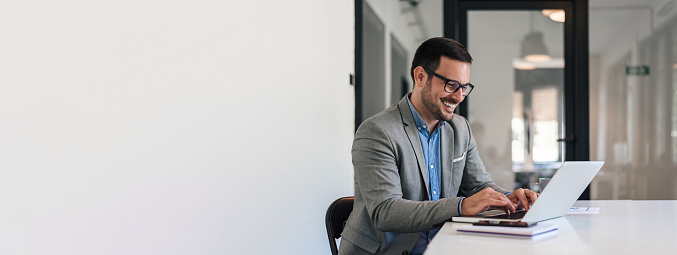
{"points": [[621, 227]]}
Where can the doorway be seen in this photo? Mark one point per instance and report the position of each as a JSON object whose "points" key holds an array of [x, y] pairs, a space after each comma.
{"points": [[530, 104]]}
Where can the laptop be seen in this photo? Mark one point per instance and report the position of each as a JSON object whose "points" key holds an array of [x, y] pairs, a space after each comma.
{"points": [[561, 192]]}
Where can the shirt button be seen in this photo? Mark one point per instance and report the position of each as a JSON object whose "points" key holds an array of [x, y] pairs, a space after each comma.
{"points": [[435, 192], [431, 166], [419, 128]]}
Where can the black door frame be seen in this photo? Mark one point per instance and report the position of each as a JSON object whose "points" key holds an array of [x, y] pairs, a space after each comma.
{"points": [[357, 80], [576, 57]]}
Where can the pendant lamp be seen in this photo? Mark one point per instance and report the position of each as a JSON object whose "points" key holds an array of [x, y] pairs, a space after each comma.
{"points": [[533, 47]]}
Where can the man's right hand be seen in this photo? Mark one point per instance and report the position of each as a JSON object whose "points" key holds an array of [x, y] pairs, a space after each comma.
{"points": [[484, 200]]}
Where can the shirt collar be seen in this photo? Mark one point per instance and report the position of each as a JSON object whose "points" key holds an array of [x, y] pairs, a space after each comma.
{"points": [[420, 123]]}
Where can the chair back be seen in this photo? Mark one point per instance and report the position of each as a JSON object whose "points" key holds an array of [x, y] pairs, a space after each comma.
{"points": [[337, 214]]}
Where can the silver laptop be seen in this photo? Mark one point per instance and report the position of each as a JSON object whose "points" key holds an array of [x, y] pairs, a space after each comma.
{"points": [[562, 191]]}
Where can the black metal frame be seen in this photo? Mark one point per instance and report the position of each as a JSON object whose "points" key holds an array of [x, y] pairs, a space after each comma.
{"points": [[358, 61], [576, 55]]}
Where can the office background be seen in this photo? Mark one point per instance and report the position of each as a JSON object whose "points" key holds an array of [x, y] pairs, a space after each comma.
{"points": [[517, 112], [212, 127]]}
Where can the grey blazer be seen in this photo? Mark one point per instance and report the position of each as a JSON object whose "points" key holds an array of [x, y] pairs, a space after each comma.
{"points": [[391, 182]]}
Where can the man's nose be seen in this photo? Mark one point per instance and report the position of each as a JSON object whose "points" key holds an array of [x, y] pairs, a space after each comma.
{"points": [[458, 95]]}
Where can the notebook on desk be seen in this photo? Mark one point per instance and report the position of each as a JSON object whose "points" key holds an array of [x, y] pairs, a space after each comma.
{"points": [[539, 229], [562, 191]]}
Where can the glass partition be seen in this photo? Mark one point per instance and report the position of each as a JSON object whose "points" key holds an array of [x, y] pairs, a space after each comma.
{"points": [[516, 110], [633, 98]]}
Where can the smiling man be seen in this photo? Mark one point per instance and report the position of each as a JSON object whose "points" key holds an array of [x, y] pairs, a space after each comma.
{"points": [[416, 163]]}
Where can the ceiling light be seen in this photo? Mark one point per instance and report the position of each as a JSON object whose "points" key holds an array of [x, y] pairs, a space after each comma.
{"points": [[557, 16], [547, 12], [523, 65], [554, 14], [533, 48], [537, 58]]}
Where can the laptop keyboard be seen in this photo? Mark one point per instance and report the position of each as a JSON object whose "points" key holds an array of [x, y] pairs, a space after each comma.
{"points": [[512, 216]]}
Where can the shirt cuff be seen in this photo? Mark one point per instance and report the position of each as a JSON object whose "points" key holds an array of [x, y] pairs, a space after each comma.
{"points": [[459, 206]]}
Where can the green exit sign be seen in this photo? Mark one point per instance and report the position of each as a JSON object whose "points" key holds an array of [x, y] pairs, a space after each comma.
{"points": [[640, 70]]}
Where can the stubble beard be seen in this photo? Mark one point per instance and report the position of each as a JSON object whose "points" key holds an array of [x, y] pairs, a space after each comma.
{"points": [[429, 103]]}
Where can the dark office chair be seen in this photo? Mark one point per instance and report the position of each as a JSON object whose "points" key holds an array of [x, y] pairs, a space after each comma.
{"points": [[337, 214]]}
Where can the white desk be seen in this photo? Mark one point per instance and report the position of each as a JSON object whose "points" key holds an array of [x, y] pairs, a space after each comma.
{"points": [[621, 227]]}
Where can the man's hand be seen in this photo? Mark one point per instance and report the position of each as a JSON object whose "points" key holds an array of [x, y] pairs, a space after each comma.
{"points": [[523, 198], [484, 200]]}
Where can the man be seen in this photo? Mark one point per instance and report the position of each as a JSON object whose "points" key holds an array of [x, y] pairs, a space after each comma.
{"points": [[413, 159]]}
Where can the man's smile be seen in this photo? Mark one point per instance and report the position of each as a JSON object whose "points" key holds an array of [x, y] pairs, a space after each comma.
{"points": [[449, 104]]}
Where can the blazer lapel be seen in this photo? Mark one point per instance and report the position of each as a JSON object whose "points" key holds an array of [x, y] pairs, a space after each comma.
{"points": [[447, 159], [412, 134]]}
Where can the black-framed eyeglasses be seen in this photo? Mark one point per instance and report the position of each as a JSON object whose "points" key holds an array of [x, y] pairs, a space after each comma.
{"points": [[451, 86]]}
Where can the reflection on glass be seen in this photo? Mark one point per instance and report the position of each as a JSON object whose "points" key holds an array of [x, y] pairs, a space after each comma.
{"points": [[673, 131], [517, 101], [518, 132], [546, 149], [633, 99]]}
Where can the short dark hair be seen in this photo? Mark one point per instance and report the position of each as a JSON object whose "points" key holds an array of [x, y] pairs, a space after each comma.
{"points": [[429, 53]]}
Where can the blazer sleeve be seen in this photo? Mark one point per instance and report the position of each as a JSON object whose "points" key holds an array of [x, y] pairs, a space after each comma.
{"points": [[377, 178]]}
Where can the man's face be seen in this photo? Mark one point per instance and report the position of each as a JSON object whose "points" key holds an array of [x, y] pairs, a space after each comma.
{"points": [[438, 102]]}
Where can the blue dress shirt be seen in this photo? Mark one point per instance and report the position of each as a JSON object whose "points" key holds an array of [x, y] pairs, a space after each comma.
{"points": [[431, 152]]}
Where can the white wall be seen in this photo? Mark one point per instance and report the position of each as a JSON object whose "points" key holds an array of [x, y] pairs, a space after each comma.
{"points": [[173, 127]]}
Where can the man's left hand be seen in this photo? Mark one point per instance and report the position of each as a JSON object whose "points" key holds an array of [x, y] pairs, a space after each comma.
{"points": [[523, 198]]}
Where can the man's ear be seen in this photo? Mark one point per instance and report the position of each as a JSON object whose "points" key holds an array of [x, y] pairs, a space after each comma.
{"points": [[420, 76]]}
